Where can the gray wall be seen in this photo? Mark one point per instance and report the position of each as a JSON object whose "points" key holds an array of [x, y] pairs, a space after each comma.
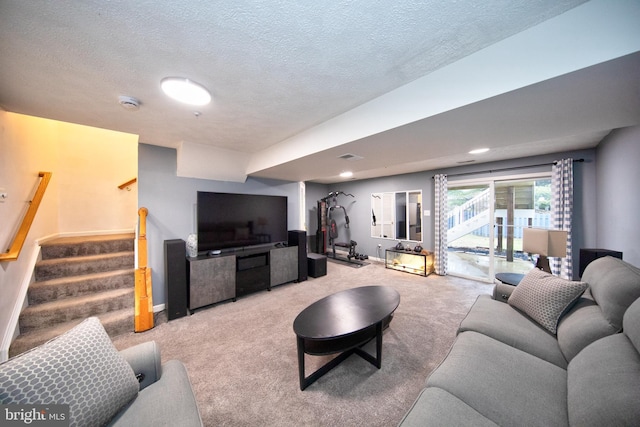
{"points": [[171, 202], [359, 208], [608, 221], [618, 207]]}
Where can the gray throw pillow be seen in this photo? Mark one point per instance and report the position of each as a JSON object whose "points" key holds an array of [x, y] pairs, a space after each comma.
{"points": [[545, 298], [80, 368]]}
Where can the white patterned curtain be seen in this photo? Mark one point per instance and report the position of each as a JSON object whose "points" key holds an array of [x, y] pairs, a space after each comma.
{"points": [[440, 255], [562, 213]]}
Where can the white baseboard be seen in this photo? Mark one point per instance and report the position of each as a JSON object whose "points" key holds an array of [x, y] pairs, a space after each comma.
{"points": [[13, 330], [44, 239], [96, 232]]}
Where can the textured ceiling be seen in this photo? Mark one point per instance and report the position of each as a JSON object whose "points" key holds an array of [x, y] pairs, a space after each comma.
{"points": [[275, 68]]}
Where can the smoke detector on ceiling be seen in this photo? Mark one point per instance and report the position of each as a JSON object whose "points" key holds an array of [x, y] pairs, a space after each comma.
{"points": [[129, 103]]}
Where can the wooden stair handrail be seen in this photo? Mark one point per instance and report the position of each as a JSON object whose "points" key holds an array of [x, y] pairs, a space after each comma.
{"points": [[143, 318], [128, 183], [14, 250]]}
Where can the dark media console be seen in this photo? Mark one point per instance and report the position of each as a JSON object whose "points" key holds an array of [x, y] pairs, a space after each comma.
{"points": [[252, 273], [215, 278]]}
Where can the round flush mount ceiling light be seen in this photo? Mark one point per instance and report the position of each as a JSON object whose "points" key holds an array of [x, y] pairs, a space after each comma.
{"points": [[479, 151], [185, 90], [346, 174]]}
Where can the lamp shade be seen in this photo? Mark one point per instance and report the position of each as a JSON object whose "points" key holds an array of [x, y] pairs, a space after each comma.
{"points": [[551, 243]]}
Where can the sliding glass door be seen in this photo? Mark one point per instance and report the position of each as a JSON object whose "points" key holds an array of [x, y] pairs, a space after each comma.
{"points": [[519, 204], [485, 220], [470, 209]]}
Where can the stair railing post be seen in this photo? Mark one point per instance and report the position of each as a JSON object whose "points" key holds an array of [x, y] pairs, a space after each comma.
{"points": [[142, 238], [143, 286]]}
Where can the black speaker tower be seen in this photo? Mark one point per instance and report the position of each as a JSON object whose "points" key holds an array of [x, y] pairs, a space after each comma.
{"points": [[588, 255], [299, 238], [175, 278]]}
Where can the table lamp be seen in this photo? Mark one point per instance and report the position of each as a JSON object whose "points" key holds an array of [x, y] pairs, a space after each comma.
{"points": [[545, 243]]}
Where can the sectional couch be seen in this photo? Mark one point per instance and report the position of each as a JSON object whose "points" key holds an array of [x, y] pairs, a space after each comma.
{"points": [[556, 353]]}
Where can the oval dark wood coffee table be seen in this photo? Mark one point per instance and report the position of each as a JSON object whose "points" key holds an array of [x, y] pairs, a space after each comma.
{"points": [[342, 323]]}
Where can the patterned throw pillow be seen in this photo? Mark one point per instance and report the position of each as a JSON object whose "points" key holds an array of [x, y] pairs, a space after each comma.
{"points": [[80, 368], [545, 298]]}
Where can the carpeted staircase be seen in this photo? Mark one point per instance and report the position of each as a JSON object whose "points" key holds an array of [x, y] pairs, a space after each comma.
{"points": [[79, 277]]}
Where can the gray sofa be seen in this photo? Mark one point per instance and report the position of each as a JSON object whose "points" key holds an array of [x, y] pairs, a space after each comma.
{"points": [[101, 386], [512, 364]]}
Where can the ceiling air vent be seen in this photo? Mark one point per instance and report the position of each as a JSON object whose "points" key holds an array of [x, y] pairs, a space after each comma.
{"points": [[350, 157]]}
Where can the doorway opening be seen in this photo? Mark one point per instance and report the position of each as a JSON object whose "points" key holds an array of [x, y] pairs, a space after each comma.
{"points": [[485, 219]]}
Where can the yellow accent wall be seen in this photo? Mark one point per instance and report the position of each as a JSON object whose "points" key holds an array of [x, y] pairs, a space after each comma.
{"points": [[83, 196]]}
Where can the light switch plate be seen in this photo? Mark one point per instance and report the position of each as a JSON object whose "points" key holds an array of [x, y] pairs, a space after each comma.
{"points": [[427, 212]]}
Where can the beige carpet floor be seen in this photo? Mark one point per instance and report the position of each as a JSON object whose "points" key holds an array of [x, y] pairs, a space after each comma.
{"points": [[242, 360]]}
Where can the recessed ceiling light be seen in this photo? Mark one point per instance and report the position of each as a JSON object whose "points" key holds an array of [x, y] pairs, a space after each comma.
{"points": [[346, 174], [185, 90], [479, 151]]}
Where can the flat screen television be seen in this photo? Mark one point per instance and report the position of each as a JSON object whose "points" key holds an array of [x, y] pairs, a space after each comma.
{"points": [[231, 220]]}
